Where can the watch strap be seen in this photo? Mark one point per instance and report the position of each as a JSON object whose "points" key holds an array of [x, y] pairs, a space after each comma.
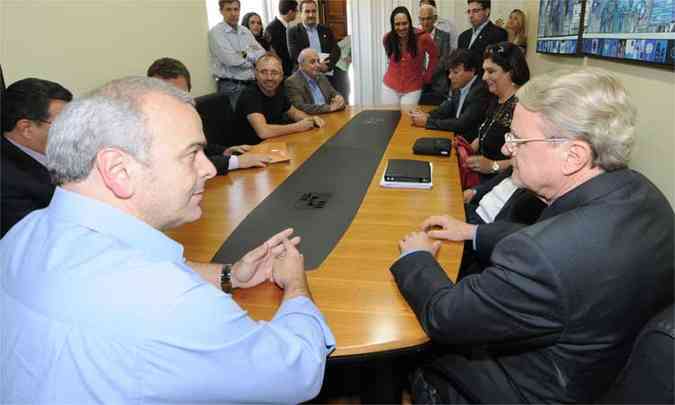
{"points": [[226, 278]]}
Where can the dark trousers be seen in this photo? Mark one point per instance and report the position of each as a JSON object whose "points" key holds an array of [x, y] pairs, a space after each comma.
{"points": [[468, 378]]}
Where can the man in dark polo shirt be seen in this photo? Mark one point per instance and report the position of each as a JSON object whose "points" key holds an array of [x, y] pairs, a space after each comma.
{"points": [[265, 111]]}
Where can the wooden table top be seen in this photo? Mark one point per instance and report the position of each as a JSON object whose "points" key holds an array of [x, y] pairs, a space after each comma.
{"points": [[353, 287]]}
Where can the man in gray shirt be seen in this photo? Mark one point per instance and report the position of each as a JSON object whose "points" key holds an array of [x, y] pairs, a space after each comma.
{"points": [[233, 51]]}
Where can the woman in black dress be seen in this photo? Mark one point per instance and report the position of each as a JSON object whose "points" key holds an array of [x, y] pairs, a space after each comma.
{"points": [[505, 70]]}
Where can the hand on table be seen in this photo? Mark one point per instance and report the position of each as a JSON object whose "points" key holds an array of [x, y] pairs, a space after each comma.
{"points": [[450, 228], [253, 160], [236, 150], [337, 103], [418, 241]]}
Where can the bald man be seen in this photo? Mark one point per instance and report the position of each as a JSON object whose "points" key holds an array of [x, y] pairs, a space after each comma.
{"points": [[309, 89]]}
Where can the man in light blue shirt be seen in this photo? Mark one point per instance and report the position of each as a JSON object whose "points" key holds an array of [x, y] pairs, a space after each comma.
{"points": [[234, 51], [98, 305]]}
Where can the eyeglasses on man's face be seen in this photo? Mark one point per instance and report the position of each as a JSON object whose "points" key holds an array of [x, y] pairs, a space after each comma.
{"points": [[512, 141], [475, 10], [271, 73]]}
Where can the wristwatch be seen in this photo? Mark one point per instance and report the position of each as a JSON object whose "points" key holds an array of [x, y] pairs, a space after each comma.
{"points": [[226, 278], [495, 166]]}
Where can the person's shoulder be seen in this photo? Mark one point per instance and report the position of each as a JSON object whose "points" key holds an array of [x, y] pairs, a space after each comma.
{"points": [[251, 92], [295, 79], [501, 32], [275, 24], [294, 29], [220, 27], [245, 31]]}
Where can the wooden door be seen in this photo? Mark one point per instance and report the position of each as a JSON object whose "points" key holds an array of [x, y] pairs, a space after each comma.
{"points": [[334, 15]]}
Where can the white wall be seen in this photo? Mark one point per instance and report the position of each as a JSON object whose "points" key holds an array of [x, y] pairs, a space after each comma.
{"points": [[85, 43]]}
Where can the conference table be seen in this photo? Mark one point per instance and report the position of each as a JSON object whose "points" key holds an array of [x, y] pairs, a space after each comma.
{"points": [[353, 287]]}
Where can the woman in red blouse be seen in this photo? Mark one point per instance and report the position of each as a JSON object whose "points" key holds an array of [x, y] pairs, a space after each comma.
{"points": [[412, 58]]}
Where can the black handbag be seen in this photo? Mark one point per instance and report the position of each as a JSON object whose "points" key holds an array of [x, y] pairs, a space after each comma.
{"points": [[432, 146]]}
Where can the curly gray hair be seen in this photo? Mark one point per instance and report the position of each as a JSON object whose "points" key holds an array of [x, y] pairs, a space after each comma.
{"points": [[588, 104]]}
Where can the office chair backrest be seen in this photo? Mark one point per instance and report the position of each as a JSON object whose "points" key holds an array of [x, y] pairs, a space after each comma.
{"points": [[647, 378], [217, 118]]}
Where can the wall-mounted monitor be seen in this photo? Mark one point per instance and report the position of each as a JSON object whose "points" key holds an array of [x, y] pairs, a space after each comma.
{"points": [[560, 26], [637, 30]]}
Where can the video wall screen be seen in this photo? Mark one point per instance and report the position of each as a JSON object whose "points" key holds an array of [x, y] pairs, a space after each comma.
{"points": [[638, 30], [559, 26]]}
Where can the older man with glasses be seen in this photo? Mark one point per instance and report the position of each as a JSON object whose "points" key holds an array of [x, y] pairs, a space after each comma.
{"points": [[482, 32], [554, 316]]}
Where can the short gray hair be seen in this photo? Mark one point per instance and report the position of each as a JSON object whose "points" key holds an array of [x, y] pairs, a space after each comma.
{"points": [[112, 116], [303, 53], [589, 104], [433, 9]]}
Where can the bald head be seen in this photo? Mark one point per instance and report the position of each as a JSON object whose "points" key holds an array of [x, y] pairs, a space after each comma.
{"points": [[427, 17], [309, 62]]}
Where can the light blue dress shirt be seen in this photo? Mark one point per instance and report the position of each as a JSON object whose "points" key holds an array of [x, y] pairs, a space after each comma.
{"points": [[317, 95], [97, 306], [313, 35], [462, 96], [226, 45]]}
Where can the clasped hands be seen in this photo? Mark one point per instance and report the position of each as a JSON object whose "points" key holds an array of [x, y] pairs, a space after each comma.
{"points": [[337, 103], [419, 118], [277, 260], [432, 231]]}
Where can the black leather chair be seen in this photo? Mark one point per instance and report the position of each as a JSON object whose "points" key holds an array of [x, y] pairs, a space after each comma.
{"points": [[647, 378], [217, 118]]}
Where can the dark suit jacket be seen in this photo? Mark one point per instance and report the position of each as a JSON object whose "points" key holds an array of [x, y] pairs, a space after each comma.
{"points": [[26, 185], [440, 84], [301, 96], [276, 35], [491, 34], [219, 124], [298, 40], [564, 299], [471, 116]]}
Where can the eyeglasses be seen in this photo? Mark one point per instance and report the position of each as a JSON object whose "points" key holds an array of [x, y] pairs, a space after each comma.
{"points": [[474, 10], [273, 73], [45, 121], [426, 18], [512, 142]]}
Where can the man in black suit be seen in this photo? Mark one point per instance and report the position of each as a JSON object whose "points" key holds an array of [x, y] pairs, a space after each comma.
{"points": [[554, 316], [310, 34], [465, 110], [482, 32], [31, 107], [276, 33]]}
